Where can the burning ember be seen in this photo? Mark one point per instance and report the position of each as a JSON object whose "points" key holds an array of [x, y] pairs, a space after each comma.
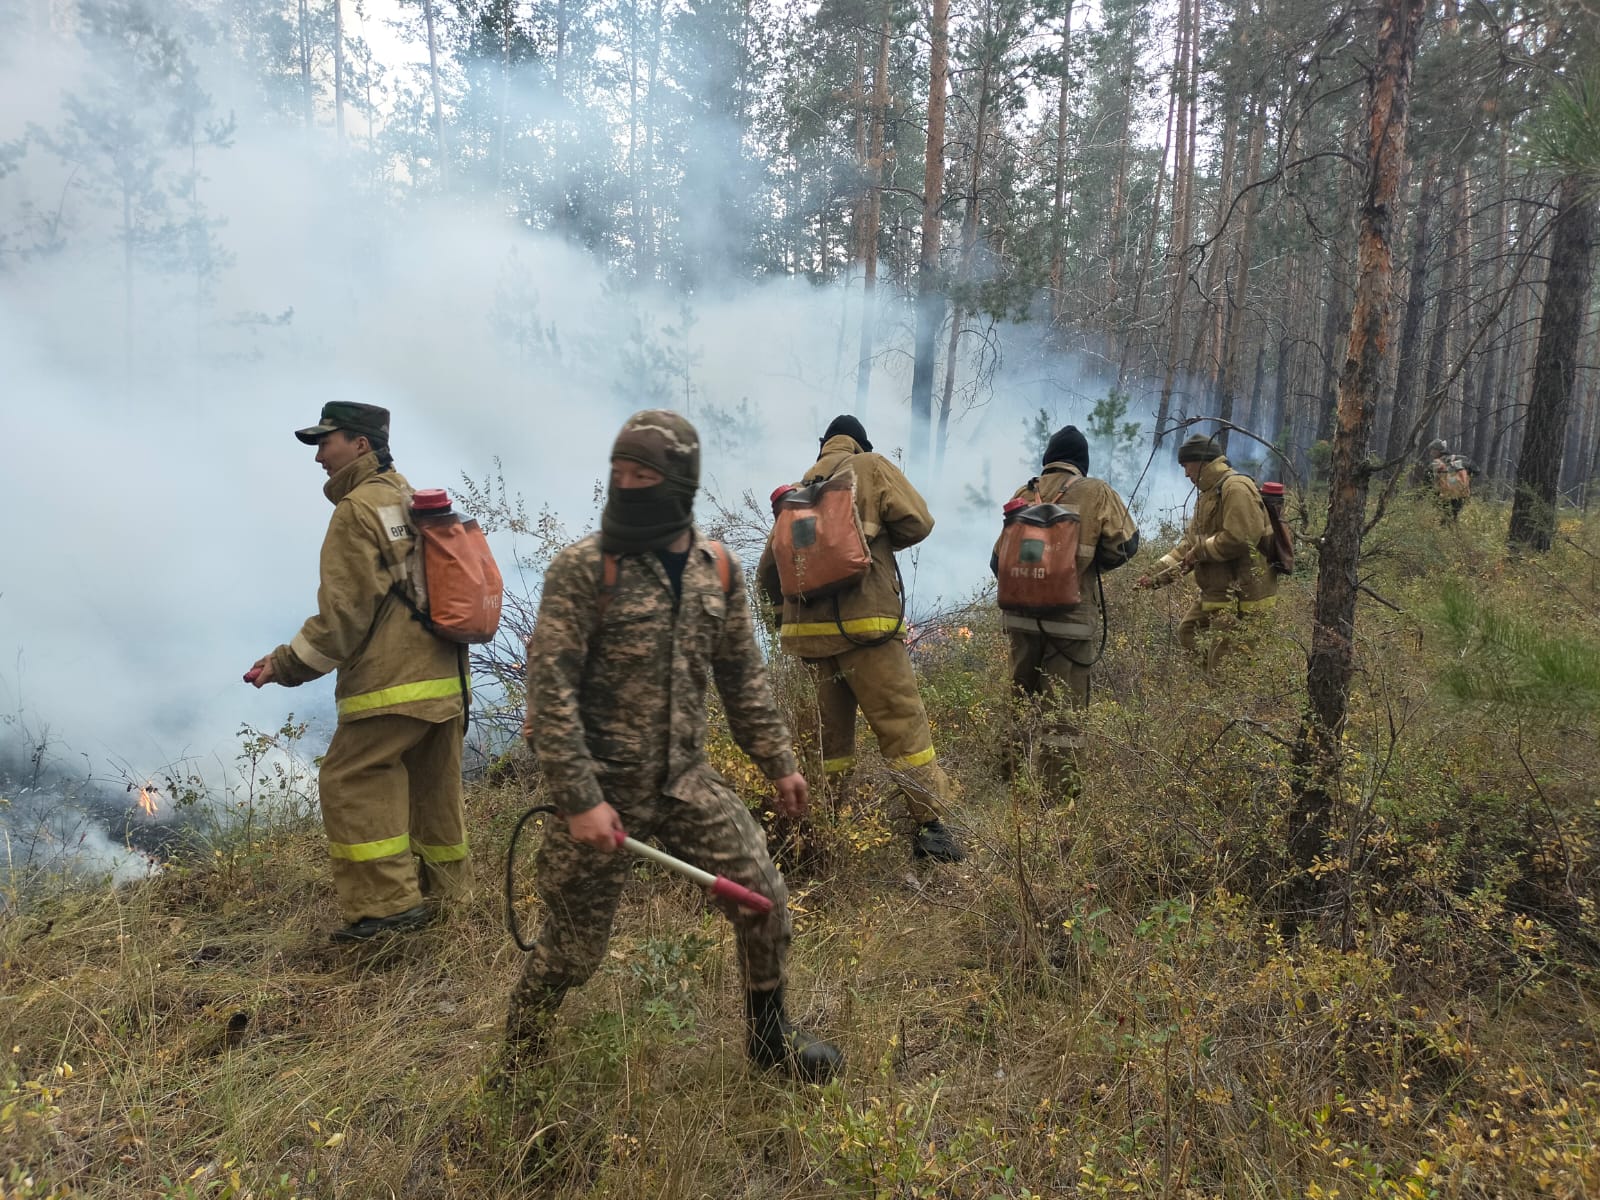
{"points": [[147, 798]]}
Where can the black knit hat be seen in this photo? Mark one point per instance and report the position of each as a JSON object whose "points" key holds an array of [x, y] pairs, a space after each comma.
{"points": [[851, 428], [1068, 445], [1198, 448]]}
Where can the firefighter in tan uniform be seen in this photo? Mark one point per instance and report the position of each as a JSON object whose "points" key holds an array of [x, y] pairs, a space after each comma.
{"points": [[854, 643], [1052, 656], [1223, 547], [390, 782]]}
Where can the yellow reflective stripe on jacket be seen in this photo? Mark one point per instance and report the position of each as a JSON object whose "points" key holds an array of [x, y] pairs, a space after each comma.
{"points": [[919, 759], [1243, 606], [401, 693], [440, 854], [367, 851], [855, 625], [833, 766]]}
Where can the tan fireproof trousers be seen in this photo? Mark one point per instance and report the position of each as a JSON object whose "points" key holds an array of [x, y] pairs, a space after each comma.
{"points": [[1052, 676], [392, 809], [879, 681]]}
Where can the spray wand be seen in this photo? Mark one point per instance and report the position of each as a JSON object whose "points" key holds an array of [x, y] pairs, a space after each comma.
{"points": [[720, 887]]}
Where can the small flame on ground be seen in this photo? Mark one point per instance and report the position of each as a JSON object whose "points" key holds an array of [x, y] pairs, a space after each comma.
{"points": [[147, 798]]}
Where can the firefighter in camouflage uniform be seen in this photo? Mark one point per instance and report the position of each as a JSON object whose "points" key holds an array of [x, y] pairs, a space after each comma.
{"points": [[1052, 657], [854, 643], [634, 623], [390, 783], [1223, 546]]}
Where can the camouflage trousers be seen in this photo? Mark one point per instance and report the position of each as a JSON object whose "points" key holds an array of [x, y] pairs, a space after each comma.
{"points": [[1051, 676], [579, 886], [879, 681], [1232, 626], [392, 809]]}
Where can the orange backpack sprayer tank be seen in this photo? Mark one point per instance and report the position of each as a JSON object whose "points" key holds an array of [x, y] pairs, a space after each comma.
{"points": [[461, 585], [1038, 558], [817, 540]]}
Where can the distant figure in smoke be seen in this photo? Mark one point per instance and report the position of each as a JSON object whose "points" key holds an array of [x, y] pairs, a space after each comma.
{"points": [[1223, 546], [634, 622], [1052, 655], [1452, 477], [391, 779], [853, 641]]}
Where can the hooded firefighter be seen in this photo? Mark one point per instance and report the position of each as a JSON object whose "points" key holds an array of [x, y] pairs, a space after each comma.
{"points": [[1053, 653], [853, 640]]}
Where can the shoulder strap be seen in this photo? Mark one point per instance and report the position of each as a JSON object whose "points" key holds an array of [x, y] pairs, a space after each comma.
{"points": [[724, 565], [608, 585], [1072, 481], [610, 569]]}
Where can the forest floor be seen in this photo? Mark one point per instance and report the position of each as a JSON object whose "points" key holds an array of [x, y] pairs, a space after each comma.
{"points": [[1100, 1001]]}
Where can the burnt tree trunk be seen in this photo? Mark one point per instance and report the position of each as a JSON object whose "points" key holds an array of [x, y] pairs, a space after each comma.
{"points": [[1332, 660], [930, 301]]}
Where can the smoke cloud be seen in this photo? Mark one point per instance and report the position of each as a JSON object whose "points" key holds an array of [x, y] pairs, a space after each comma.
{"points": [[164, 522]]}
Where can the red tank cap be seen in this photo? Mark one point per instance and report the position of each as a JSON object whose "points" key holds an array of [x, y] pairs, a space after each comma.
{"points": [[1272, 489], [430, 500], [782, 490], [1013, 504]]}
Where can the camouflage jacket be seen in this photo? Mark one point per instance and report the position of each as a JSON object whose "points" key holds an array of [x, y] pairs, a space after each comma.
{"points": [[387, 662], [617, 691]]}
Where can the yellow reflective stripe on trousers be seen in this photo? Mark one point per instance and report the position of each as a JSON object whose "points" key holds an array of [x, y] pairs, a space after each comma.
{"points": [[1244, 606], [919, 759], [367, 851], [440, 854], [855, 625], [834, 766], [401, 693]]}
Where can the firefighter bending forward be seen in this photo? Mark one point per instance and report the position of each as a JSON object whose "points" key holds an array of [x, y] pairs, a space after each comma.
{"points": [[390, 782], [1052, 657], [634, 622], [1222, 546], [854, 643]]}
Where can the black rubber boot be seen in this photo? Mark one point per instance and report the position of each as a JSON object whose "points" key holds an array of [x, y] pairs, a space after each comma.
{"points": [[368, 928], [774, 1042], [529, 1019], [934, 840]]}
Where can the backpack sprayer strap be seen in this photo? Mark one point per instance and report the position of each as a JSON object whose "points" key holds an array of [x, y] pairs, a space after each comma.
{"points": [[397, 590]]}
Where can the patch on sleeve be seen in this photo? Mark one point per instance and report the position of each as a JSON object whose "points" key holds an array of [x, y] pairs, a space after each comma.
{"points": [[394, 521]]}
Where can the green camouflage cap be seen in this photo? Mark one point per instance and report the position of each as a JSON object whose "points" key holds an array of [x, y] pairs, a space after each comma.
{"points": [[663, 440], [358, 420]]}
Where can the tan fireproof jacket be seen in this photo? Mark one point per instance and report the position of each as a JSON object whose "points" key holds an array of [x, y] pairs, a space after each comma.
{"points": [[1226, 533], [387, 662], [893, 516], [1106, 533]]}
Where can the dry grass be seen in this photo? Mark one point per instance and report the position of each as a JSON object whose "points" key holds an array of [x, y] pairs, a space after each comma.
{"points": [[1097, 1003]]}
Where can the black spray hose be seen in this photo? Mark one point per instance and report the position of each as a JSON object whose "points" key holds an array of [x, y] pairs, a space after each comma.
{"points": [[511, 884]]}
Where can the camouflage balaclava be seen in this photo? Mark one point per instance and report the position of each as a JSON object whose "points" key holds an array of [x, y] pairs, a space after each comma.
{"points": [[652, 518]]}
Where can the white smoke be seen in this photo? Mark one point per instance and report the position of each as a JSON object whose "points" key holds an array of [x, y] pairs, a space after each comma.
{"points": [[164, 522]]}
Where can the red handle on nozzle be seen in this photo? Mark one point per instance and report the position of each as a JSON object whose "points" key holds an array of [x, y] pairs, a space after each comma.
{"points": [[736, 893], [253, 674]]}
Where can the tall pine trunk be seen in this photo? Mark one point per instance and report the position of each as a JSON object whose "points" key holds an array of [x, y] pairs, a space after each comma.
{"points": [[438, 102], [1317, 756], [930, 301], [869, 235], [1555, 364], [1058, 203]]}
